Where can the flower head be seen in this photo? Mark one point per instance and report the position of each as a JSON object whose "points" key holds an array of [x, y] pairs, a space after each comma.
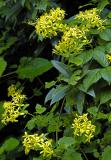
{"points": [[50, 23], [72, 42], [32, 142], [13, 108], [90, 19], [83, 127], [38, 142]]}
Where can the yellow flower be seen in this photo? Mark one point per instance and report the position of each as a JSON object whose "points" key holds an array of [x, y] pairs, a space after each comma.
{"points": [[32, 142], [13, 108], [83, 127], [11, 113], [108, 56], [72, 42], [38, 142], [91, 19], [50, 23], [47, 150]]}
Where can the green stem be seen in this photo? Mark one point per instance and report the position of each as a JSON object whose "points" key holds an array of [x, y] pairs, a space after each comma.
{"points": [[8, 74]]}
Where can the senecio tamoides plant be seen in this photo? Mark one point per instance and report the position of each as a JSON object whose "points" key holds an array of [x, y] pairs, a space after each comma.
{"points": [[38, 142], [74, 38], [13, 108]]}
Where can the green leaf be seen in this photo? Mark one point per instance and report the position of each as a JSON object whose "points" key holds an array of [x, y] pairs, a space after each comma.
{"points": [[106, 155], [105, 96], [75, 77], [106, 74], [92, 77], [33, 67], [99, 56], [31, 123], [49, 95], [50, 84], [106, 35], [10, 144], [86, 56], [40, 109], [59, 93], [3, 65], [65, 142], [93, 111], [102, 4], [42, 5], [79, 102], [62, 68], [76, 60], [70, 154]]}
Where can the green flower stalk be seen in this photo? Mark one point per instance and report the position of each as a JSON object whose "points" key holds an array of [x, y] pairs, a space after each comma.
{"points": [[38, 142], [13, 108], [50, 24], [83, 127], [91, 19]]}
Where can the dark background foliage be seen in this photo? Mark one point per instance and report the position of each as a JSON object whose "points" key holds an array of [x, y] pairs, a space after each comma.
{"points": [[17, 40]]}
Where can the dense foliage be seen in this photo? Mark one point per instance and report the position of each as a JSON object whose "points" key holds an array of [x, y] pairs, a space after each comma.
{"points": [[55, 65]]}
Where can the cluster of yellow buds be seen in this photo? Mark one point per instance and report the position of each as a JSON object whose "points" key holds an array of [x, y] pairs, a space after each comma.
{"points": [[83, 127], [72, 42], [50, 24], [108, 56], [90, 19], [13, 108], [38, 142]]}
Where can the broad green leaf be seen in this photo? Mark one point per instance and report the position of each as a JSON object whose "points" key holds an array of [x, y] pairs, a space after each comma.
{"points": [[65, 142], [106, 74], [31, 123], [106, 35], [76, 60], [105, 96], [70, 154], [10, 144], [3, 65], [49, 95], [75, 77], [59, 93], [106, 155], [92, 77], [86, 56], [42, 5], [40, 109], [33, 67], [93, 110], [102, 4], [62, 68], [100, 57], [79, 102]]}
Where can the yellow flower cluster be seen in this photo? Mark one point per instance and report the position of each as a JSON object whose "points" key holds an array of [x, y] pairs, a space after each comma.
{"points": [[40, 142], [50, 23], [108, 56], [83, 127], [90, 19], [13, 108], [72, 42]]}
